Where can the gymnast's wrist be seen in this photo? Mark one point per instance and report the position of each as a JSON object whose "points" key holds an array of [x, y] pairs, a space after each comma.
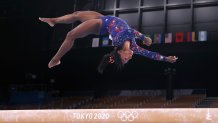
{"points": [[164, 59]]}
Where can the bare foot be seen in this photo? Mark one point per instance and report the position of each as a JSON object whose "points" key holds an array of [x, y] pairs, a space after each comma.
{"points": [[53, 63], [47, 20]]}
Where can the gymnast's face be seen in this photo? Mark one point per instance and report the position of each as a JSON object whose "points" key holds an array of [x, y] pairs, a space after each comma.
{"points": [[125, 53]]}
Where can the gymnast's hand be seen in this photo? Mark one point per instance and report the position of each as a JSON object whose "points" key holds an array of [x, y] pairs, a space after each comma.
{"points": [[147, 41], [171, 59]]}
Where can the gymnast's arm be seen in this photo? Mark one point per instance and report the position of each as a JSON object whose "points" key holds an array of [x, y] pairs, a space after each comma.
{"points": [[152, 55], [145, 40]]}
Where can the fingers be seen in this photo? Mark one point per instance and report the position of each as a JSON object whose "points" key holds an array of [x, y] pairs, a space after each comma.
{"points": [[172, 59]]}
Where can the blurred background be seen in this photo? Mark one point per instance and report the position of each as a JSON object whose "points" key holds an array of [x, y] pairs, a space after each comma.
{"points": [[27, 45]]}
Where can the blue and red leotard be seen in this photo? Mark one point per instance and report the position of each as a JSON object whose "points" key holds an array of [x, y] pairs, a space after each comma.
{"points": [[120, 32]]}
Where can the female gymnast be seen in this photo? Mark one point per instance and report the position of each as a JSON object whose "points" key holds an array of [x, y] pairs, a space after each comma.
{"points": [[123, 38]]}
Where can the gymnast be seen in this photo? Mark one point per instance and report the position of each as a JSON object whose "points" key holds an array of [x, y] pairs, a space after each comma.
{"points": [[123, 38]]}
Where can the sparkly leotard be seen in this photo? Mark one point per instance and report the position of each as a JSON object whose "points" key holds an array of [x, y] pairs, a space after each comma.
{"points": [[120, 31]]}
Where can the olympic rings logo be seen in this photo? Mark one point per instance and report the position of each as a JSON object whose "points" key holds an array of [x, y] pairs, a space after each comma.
{"points": [[127, 115]]}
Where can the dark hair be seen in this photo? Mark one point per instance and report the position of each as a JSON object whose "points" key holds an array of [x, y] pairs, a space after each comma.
{"points": [[107, 60]]}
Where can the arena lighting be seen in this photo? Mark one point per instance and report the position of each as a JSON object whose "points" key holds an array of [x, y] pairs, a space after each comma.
{"points": [[163, 115]]}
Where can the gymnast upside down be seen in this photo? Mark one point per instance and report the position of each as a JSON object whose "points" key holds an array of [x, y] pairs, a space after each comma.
{"points": [[123, 38]]}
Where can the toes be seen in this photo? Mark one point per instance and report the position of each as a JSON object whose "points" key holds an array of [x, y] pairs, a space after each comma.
{"points": [[41, 19], [52, 64]]}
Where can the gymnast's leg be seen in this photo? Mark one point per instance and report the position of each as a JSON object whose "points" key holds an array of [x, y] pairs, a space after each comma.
{"points": [[71, 18], [92, 26]]}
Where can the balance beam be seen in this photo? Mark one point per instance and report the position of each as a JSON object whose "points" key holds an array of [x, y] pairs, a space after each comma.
{"points": [[153, 115]]}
